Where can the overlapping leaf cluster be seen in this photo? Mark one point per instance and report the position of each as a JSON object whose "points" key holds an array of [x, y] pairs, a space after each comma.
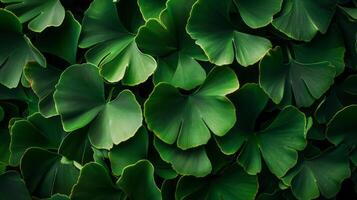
{"points": [[178, 99]]}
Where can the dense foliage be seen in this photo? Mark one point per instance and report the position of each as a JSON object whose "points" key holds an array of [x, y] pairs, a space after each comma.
{"points": [[178, 99]]}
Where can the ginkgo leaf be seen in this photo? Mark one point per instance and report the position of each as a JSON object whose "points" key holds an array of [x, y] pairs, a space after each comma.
{"points": [[277, 144], [258, 13], [302, 19], [43, 81], [176, 51], [112, 46], [80, 101], [61, 41], [53, 173], [15, 50], [189, 120], [288, 80], [321, 174], [210, 25], [35, 131], [39, 13]]}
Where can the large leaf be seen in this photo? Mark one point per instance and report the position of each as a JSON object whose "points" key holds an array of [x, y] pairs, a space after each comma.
{"points": [[189, 119], [232, 184], [35, 131], [15, 50], [278, 143], [220, 38], [176, 51], [39, 13], [113, 46], [13, 187], [302, 19], [285, 80], [193, 162], [80, 101], [322, 174], [52, 174]]}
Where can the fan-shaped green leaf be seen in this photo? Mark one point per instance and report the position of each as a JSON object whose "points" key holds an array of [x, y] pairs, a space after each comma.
{"points": [[112, 46], [76, 146], [15, 50], [176, 50], [39, 13], [302, 19], [80, 101], [278, 143], [189, 119], [43, 81], [305, 82], [61, 41], [258, 13], [35, 131], [138, 181], [322, 174], [52, 174], [166, 38], [210, 25]]}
